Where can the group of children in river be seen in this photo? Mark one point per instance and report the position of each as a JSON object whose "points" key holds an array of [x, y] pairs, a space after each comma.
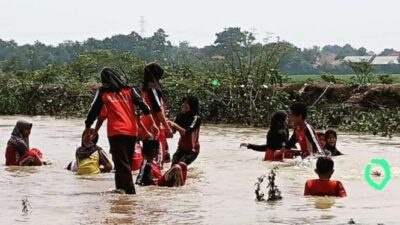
{"points": [[323, 145], [117, 102]]}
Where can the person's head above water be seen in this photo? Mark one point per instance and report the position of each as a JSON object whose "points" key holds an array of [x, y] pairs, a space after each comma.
{"points": [[20, 136], [152, 75], [331, 138], [22, 128], [322, 139], [324, 167], [190, 104], [111, 80], [298, 113], [94, 137], [150, 148], [279, 120]]}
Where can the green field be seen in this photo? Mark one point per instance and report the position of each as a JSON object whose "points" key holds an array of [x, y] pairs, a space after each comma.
{"points": [[346, 78]]}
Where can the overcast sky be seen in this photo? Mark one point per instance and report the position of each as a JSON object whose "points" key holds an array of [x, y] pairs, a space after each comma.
{"points": [[374, 24]]}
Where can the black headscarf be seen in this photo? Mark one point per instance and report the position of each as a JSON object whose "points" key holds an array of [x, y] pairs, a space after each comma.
{"points": [[193, 102], [152, 73], [185, 119], [333, 150], [17, 140], [83, 151], [111, 80]]}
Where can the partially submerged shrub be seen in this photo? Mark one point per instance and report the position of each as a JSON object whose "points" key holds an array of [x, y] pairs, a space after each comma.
{"points": [[274, 194]]}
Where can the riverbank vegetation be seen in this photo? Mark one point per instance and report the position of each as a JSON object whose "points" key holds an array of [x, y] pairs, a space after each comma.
{"points": [[237, 79]]}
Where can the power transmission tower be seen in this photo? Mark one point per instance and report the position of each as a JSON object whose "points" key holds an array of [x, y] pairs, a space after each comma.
{"points": [[142, 26], [268, 36], [253, 30]]}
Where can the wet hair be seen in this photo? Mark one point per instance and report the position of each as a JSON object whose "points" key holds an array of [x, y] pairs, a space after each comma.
{"points": [[324, 165], [299, 109], [149, 146], [278, 120], [329, 132], [152, 73], [193, 102]]}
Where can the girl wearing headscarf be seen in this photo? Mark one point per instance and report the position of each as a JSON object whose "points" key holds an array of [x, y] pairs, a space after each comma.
{"points": [[153, 97], [18, 152], [92, 159], [277, 139], [187, 124], [331, 139], [122, 127]]}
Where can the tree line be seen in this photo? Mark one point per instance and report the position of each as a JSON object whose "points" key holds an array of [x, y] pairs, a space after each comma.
{"points": [[230, 45]]}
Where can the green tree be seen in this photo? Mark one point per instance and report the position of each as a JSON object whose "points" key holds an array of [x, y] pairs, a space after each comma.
{"points": [[363, 71]]}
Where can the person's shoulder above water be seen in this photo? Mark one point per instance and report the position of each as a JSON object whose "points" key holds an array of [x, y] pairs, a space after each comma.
{"points": [[324, 186]]}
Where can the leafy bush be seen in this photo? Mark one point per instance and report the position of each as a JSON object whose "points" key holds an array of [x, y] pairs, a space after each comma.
{"points": [[385, 79]]}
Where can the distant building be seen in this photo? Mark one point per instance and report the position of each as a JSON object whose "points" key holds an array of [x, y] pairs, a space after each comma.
{"points": [[385, 60], [330, 59], [356, 59], [374, 60], [218, 57]]}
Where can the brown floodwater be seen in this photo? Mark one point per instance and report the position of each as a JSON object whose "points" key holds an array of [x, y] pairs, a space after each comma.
{"points": [[219, 190]]}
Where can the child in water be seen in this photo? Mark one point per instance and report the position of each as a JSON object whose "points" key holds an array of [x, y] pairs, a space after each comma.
{"points": [[150, 172], [324, 186], [91, 159], [277, 139], [187, 124], [304, 133], [331, 138], [18, 152], [322, 139]]}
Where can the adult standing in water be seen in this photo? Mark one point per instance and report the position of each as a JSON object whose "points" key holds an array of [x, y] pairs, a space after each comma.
{"points": [[122, 128], [153, 97]]}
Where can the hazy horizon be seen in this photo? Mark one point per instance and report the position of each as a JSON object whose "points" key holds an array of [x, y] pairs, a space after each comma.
{"points": [[369, 24]]}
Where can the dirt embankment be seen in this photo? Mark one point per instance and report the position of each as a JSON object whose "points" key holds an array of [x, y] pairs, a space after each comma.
{"points": [[369, 96]]}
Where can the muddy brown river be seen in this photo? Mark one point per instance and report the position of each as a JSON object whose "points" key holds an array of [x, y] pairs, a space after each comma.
{"points": [[219, 189]]}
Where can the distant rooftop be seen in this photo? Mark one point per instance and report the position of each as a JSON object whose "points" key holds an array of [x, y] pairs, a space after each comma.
{"points": [[358, 58], [375, 60], [384, 60]]}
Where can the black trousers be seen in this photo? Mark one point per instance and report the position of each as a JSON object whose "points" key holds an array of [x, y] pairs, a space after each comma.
{"points": [[184, 156], [122, 148]]}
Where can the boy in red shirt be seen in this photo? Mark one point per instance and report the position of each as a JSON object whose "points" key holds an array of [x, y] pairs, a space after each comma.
{"points": [[324, 186], [304, 133]]}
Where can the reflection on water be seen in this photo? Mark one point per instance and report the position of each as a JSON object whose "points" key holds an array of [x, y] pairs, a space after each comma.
{"points": [[219, 190], [324, 203]]}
